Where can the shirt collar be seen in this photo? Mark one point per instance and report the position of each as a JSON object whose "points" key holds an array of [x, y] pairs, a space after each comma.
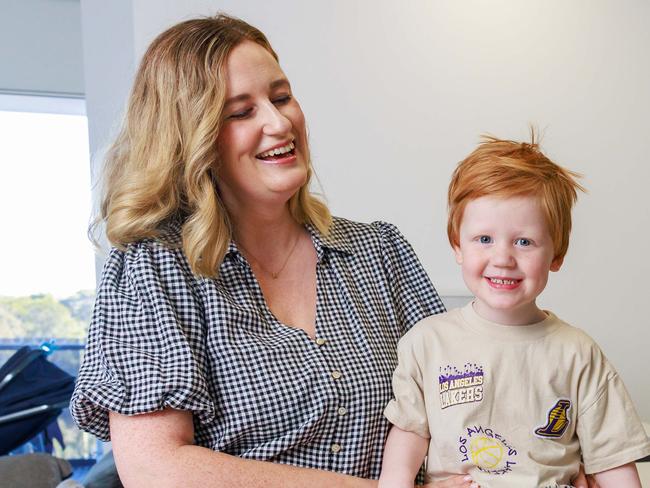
{"points": [[332, 241], [233, 250]]}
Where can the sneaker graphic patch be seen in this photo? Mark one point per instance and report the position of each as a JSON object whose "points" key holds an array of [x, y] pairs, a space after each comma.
{"points": [[457, 387], [557, 420]]}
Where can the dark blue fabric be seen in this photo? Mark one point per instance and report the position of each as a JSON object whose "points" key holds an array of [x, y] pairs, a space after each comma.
{"points": [[39, 382]]}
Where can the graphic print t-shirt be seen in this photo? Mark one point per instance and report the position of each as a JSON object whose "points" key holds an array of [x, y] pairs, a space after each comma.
{"points": [[512, 405]]}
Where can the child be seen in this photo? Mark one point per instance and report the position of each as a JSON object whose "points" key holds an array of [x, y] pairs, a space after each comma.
{"points": [[500, 389]]}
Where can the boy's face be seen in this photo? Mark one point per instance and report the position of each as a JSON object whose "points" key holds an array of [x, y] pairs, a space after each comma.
{"points": [[506, 252]]}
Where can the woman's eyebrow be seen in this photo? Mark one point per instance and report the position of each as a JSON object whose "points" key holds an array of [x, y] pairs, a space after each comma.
{"points": [[279, 83], [238, 98]]}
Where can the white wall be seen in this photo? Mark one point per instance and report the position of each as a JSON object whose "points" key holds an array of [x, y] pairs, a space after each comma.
{"points": [[109, 63], [40, 47], [397, 92]]}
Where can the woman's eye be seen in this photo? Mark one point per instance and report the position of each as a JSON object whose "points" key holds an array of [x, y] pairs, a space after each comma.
{"points": [[284, 99], [242, 114], [485, 239], [522, 241]]}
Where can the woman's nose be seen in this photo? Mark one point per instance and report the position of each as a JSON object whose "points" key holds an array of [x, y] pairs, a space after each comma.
{"points": [[275, 122]]}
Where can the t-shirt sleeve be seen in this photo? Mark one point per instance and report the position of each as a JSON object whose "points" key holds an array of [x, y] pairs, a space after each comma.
{"points": [[414, 296], [145, 348], [407, 409], [608, 426]]}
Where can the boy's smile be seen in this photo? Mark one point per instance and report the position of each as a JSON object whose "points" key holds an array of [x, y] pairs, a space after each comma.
{"points": [[506, 252], [501, 283]]}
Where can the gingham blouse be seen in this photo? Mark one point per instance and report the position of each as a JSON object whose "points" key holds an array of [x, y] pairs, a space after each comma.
{"points": [[163, 337]]}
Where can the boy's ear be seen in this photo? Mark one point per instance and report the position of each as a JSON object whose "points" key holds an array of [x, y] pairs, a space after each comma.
{"points": [[556, 264], [458, 254]]}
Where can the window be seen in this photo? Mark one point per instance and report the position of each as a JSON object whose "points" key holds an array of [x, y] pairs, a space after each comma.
{"points": [[47, 263]]}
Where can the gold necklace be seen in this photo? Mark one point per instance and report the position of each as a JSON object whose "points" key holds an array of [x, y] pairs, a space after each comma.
{"points": [[259, 263]]}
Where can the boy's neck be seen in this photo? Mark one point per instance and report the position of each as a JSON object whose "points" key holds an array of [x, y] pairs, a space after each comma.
{"points": [[525, 315]]}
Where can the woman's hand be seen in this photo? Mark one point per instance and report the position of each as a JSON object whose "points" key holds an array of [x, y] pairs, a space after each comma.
{"points": [[584, 481], [591, 481], [460, 481]]}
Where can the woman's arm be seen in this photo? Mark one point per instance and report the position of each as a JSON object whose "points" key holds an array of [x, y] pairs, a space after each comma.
{"points": [[156, 450], [626, 475]]}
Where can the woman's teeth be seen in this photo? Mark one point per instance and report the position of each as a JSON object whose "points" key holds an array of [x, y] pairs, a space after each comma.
{"points": [[277, 151]]}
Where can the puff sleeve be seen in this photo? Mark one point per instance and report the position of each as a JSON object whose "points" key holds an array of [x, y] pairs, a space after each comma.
{"points": [[146, 347], [414, 296]]}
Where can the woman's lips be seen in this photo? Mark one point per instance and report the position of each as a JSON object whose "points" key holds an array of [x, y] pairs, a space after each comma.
{"points": [[287, 158], [281, 154]]}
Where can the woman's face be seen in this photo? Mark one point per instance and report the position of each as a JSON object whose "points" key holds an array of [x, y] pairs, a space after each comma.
{"points": [[262, 145]]}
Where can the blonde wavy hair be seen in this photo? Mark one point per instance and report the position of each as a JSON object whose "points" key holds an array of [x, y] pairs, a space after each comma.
{"points": [[160, 169], [505, 169]]}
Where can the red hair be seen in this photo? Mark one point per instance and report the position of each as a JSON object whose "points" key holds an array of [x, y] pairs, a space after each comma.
{"points": [[504, 169]]}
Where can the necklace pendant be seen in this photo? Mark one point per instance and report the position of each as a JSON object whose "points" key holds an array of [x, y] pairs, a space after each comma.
{"points": [[257, 262]]}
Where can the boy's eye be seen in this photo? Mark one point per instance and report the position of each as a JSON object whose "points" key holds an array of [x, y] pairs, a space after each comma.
{"points": [[522, 241], [485, 239]]}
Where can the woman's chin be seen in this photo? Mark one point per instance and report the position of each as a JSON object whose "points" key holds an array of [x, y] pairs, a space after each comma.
{"points": [[287, 185]]}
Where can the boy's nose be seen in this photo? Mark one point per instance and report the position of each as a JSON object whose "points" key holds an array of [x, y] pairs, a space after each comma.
{"points": [[503, 257]]}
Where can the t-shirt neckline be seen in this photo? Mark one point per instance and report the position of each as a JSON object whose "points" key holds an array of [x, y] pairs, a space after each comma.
{"points": [[510, 333]]}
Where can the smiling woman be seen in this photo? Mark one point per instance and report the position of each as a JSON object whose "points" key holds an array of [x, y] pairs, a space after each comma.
{"points": [[241, 335], [152, 180], [263, 142]]}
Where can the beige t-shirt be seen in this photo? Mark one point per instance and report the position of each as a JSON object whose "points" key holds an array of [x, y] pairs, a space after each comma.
{"points": [[515, 406]]}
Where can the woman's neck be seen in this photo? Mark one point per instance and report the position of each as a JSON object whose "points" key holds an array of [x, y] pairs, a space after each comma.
{"points": [[264, 233]]}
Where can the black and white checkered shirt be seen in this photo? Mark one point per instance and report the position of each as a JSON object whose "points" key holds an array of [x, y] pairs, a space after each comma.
{"points": [[163, 337]]}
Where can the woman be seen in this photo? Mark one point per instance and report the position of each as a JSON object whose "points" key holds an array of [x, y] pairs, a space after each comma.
{"points": [[236, 321]]}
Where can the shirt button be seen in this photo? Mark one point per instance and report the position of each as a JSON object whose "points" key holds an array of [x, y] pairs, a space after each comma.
{"points": [[320, 341], [342, 411], [336, 374], [335, 448]]}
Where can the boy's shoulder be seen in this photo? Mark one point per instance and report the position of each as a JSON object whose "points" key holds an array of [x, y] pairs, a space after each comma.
{"points": [[434, 325], [570, 334]]}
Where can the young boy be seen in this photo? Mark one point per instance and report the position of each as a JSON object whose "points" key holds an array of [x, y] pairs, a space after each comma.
{"points": [[500, 389]]}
